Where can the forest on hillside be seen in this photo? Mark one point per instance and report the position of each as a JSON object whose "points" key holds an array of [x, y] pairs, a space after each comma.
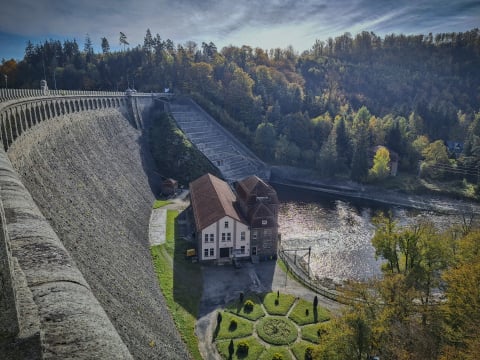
{"points": [[345, 108], [408, 97]]}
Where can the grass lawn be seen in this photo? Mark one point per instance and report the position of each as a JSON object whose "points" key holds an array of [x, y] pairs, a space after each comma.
{"points": [[300, 347], [160, 203], [238, 308], [255, 349], [303, 313], [311, 332], [278, 305], [281, 350], [227, 330], [181, 284]]}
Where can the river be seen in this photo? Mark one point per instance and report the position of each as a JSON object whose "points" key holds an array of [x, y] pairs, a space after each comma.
{"points": [[339, 231]]}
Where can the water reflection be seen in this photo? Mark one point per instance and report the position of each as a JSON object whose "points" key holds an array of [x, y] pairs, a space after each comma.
{"points": [[338, 231]]}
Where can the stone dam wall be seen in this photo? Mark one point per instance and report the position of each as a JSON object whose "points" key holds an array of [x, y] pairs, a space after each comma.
{"points": [[76, 191]]}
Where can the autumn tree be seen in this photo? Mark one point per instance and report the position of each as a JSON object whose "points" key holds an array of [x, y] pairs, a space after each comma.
{"points": [[462, 308], [381, 164], [436, 159]]}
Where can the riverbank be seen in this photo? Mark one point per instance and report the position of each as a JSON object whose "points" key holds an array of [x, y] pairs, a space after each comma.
{"points": [[307, 180]]}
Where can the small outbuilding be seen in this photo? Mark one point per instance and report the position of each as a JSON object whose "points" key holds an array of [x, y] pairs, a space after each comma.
{"points": [[169, 186]]}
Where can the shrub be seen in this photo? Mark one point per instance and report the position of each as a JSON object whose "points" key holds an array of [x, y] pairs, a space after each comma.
{"points": [[233, 325], [231, 348], [277, 356], [242, 348], [309, 353], [248, 305]]}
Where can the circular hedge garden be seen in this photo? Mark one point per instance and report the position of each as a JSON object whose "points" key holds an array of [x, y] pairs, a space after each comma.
{"points": [[277, 330], [268, 326]]}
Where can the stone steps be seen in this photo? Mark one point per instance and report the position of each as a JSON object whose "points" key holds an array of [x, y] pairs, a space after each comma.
{"points": [[233, 160]]}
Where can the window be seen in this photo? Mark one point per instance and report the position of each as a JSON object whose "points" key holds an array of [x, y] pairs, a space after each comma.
{"points": [[242, 236], [226, 224], [212, 237], [229, 236], [206, 237], [205, 253], [267, 232], [223, 237], [254, 235], [242, 250], [212, 252], [264, 222]]}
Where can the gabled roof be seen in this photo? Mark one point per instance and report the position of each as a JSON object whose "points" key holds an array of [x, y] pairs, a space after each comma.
{"points": [[212, 199], [253, 185]]}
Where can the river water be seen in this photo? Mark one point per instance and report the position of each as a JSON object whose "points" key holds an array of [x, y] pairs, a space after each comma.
{"points": [[339, 232]]}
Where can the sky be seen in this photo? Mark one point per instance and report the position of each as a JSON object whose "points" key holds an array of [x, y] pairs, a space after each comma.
{"points": [[266, 24]]}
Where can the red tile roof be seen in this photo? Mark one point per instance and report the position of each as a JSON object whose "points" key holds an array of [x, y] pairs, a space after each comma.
{"points": [[212, 199]]}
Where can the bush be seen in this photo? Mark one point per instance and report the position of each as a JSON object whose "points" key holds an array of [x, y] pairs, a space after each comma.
{"points": [[309, 353], [242, 348], [248, 305], [277, 356]]}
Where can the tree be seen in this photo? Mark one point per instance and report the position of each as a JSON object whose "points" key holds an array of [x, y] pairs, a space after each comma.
{"points": [[462, 310], [148, 42], [381, 164], [231, 348], [359, 168], [436, 159], [123, 40], [327, 161], [265, 139], [105, 46], [88, 47]]}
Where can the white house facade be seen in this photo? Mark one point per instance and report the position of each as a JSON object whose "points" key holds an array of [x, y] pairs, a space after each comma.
{"points": [[221, 232]]}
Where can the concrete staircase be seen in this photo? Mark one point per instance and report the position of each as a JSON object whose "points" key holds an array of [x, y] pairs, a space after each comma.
{"points": [[233, 159]]}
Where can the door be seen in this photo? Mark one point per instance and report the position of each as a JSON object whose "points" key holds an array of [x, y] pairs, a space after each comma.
{"points": [[224, 252]]}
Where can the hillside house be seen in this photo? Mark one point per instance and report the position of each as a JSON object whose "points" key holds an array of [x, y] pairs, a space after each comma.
{"points": [[231, 226], [259, 203], [220, 230]]}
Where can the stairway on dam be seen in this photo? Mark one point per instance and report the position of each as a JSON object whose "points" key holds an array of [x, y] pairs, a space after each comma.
{"points": [[232, 158]]}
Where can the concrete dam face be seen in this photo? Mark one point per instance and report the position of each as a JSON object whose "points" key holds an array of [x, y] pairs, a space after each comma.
{"points": [[90, 174]]}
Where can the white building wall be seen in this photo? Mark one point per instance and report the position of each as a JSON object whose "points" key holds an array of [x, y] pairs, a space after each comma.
{"points": [[211, 245], [225, 233]]}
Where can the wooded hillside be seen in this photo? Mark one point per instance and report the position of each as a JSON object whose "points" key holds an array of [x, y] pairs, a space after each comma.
{"points": [[325, 108]]}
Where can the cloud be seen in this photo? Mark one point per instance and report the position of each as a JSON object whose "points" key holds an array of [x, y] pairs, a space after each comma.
{"points": [[253, 22]]}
